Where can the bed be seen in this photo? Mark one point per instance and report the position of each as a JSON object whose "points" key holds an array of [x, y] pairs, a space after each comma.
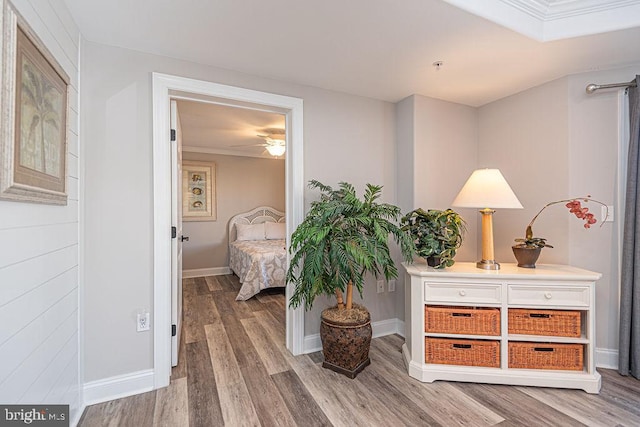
{"points": [[257, 250]]}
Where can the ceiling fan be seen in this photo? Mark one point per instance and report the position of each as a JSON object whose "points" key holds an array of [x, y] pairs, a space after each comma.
{"points": [[274, 142]]}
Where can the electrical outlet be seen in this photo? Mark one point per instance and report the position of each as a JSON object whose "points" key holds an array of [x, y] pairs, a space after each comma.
{"points": [[143, 322], [380, 286], [392, 285], [603, 214]]}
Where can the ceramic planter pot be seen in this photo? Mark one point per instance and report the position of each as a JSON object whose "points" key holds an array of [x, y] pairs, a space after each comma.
{"points": [[433, 261], [526, 257]]}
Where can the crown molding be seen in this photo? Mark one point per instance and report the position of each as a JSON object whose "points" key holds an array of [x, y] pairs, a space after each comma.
{"points": [[547, 20]]}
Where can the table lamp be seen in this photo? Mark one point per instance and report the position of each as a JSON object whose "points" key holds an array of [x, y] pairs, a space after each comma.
{"points": [[487, 189]]}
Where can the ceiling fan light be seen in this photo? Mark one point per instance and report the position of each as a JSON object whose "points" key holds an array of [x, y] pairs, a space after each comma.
{"points": [[276, 150]]}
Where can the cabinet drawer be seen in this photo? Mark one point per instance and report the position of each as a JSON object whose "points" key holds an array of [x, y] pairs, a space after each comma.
{"points": [[464, 293], [557, 296]]}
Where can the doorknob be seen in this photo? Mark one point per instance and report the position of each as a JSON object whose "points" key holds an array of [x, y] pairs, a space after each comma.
{"points": [[184, 238]]}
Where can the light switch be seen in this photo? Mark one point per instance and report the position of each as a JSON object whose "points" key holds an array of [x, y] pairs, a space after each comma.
{"points": [[603, 214]]}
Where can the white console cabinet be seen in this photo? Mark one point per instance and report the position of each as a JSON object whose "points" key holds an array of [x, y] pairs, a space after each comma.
{"points": [[546, 287]]}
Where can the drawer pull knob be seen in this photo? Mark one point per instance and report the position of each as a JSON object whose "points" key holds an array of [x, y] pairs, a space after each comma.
{"points": [[547, 295], [462, 293]]}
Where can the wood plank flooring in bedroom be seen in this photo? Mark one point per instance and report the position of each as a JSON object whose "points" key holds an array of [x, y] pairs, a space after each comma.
{"points": [[235, 370]]}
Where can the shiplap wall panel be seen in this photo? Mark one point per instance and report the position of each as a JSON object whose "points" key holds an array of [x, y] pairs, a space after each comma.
{"points": [[27, 308], [39, 300], [14, 215], [20, 244], [68, 380], [25, 343], [22, 380], [21, 278], [73, 99], [67, 21], [73, 122], [72, 167], [72, 144], [72, 188], [50, 376]]}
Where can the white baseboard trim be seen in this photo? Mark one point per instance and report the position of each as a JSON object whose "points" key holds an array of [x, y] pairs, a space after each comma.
{"points": [[312, 343], [78, 414], [119, 386], [202, 272], [606, 358]]}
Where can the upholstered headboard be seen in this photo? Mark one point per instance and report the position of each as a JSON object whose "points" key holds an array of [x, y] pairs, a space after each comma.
{"points": [[255, 216]]}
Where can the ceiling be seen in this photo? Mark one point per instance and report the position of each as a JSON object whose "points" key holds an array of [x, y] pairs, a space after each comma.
{"points": [[220, 129], [383, 49]]}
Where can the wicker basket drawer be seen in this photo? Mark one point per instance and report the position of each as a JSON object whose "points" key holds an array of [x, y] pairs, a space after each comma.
{"points": [[529, 355], [448, 351], [559, 323], [462, 320]]}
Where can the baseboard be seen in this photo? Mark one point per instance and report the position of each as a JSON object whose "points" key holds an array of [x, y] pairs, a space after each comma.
{"points": [[606, 358], [78, 415], [312, 343], [119, 386], [400, 328], [202, 272]]}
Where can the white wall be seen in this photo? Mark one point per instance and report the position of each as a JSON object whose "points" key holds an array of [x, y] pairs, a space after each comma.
{"points": [[346, 138], [526, 137], [437, 151], [445, 154], [39, 257], [553, 142], [593, 166], [242, 183]]}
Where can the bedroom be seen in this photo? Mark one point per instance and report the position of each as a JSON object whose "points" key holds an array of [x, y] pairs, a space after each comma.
{"points": [[246, 176], [354, 132]]}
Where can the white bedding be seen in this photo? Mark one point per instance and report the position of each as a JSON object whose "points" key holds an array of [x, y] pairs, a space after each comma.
{"points": [[259, 264]]}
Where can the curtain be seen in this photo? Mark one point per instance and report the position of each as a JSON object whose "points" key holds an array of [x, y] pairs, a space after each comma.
{"points": [[629, 345]]}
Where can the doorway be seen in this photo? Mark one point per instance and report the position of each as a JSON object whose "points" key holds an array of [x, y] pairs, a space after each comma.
{"points": [[166, 87]]}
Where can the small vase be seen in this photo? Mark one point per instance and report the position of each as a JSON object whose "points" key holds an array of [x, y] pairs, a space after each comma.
{"points": [[526, 257]]}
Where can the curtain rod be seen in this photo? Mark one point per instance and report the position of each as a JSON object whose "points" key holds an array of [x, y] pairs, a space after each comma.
{"points": [[594, 87]]}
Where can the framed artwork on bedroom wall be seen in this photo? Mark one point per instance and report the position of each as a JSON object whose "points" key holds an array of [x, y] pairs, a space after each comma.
{"points": [[34, 117], [198, 191]]}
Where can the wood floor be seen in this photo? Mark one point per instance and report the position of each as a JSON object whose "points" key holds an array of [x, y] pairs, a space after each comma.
{"points": [[235, 371]]}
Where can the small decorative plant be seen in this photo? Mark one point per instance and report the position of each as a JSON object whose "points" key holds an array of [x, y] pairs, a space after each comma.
{"points": [[575, 207], [532, 243], [436, 234], [527, 250]]}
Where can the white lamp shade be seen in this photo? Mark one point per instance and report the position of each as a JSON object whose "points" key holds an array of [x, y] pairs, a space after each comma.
{"points": [[487, 188]]}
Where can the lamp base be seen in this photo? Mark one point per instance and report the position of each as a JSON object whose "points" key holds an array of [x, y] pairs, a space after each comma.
{"points": [[488, 264]]}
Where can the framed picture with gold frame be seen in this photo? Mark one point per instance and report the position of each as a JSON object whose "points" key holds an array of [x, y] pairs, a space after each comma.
{"points": [[198, 191], [33, 146]]}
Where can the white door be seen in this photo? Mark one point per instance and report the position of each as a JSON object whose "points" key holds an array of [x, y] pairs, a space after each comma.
{"points": [[176, 241]]}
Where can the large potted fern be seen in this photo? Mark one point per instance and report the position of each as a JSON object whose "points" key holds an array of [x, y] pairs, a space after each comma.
{"points": [[341, 239]]}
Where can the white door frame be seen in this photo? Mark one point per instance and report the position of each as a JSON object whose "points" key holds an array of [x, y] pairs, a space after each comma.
{"points": [[164, 86]]}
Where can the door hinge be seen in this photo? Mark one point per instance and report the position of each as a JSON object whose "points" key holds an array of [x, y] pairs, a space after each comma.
{"points": [[173, 134], [174, 330], [174, 232]]}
